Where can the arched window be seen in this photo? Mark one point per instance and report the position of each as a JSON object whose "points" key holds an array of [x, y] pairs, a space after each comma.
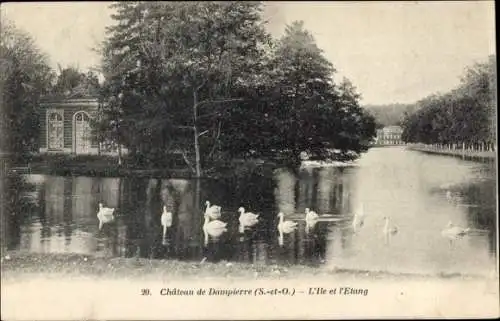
{"points": [[55, 129], [81, 116], [81, 132]]}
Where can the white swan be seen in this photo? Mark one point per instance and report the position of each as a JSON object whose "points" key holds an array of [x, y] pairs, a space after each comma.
{"points": [[311, 219], [359, 219], [247, 219], [285, 227], [213, 212], [213, 228], [388, 229], [454, 232], [105, 215], [166, 222]]}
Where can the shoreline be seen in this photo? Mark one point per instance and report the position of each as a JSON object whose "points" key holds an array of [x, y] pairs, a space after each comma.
{"points": [[489, 156], [108, 172], [96, 167], [100, 168], [16, 263]]}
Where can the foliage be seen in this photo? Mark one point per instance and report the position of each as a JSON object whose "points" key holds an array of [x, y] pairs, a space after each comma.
{"points": [[71, 82], [14, 207], [390, 114], [205, 80], [465, 115], [300, 109], [25, 76]]}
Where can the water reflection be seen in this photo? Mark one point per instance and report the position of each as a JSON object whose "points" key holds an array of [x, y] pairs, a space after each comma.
{"points": [[406, 186]]}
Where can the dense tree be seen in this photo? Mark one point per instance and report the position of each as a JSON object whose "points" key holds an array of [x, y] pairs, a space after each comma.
{"points": [[25, 76], [68, 79], [181, 68], [205, 79], [464, 117], [283, 117], [389, 114], [71, 82]]}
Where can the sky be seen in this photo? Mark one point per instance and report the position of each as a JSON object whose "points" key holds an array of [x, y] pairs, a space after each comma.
{"points": [[393, 52]]}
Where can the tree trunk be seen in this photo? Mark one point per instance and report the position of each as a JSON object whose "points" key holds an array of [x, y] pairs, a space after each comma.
{"points": [[198, 219], [195, 131]]}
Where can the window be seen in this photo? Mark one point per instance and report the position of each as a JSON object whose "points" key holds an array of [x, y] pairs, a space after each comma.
{"points": [[81, 116], [82, 136], [55, 130], [55, 117]]}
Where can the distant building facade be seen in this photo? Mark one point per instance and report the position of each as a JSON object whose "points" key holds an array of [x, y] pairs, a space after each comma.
{"points": [[65, 126], [389, 135]]}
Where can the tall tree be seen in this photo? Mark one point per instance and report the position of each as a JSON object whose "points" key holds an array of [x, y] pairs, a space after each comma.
{"points": [[68, 79], [300, 109], [465, 116], [206, 79], [183, 68], [306, 84], [71, 82], [25, 76]]}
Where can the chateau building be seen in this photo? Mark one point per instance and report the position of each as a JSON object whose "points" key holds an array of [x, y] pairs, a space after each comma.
{"points": [[389, 135]]}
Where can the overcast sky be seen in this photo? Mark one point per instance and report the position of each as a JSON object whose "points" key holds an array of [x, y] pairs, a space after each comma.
{"points": [[392, 52]]}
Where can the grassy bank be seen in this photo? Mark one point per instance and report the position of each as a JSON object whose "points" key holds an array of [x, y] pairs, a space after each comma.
{"points": [[103, 166], [19, 263], [107, 166]]}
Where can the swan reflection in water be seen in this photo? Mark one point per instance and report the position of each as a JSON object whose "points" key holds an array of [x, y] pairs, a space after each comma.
{"points": [[166, 222], [311, 220], [453, 233], [105, 215], [389, 230]]}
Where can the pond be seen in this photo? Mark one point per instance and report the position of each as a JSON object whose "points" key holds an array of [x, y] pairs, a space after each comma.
{"points": [[415, 192]]}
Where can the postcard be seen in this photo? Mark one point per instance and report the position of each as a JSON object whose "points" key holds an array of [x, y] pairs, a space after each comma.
{"points": [[235, 160]]}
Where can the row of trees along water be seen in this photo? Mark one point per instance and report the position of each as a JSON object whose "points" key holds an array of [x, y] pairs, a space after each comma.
{"points": [[206, 81], [464, 118]]}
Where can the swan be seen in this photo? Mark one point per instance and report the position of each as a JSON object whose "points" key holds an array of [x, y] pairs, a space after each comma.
{"points": [[449, 196], [454, 232], [359, 219], [166, 221], [311, 215], [105, 215], [311, 219], [247, 219], [388, 229], [213, 212], [213, 228], [285, 227]]}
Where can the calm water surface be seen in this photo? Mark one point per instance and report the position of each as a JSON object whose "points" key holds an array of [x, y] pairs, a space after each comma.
{"points": [[407, 186]]}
